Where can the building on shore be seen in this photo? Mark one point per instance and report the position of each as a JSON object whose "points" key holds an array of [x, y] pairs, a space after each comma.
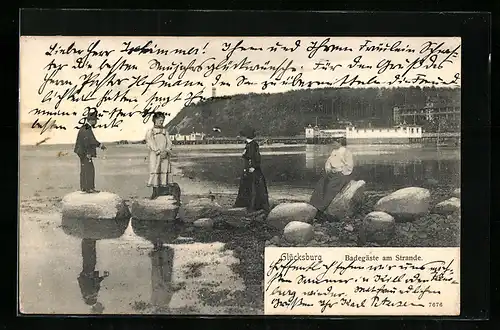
{"points": [[434, 116], [353, 135], [395, 135], [317, 135], [191, 138]]}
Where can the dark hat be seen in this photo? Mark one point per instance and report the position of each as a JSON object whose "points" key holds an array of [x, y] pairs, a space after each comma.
{"points": [[92, 114], [158, 115], [248, 132]]}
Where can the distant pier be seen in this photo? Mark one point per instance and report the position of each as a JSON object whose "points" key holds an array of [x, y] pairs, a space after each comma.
{"points": [[452, 138], [427, 138]]}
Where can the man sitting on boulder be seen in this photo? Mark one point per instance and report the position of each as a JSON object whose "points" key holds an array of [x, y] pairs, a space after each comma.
{"points": [[85, 148], [338, 169]]}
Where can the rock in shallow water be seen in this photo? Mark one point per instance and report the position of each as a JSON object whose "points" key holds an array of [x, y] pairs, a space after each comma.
{"points": [[98, 206]]}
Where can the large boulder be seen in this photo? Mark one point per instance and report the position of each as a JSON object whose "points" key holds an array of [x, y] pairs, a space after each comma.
{"points": [[449, 206], [377, 227], [97, 206], [93, 228], [199, 208], [407, 203], [163, 208], [285, 213], [297, 232], [456, 193], [347, 200]]}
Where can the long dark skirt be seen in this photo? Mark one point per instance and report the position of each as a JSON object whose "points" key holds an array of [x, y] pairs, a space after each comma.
{"points": [[252, 192], [327, 188]]}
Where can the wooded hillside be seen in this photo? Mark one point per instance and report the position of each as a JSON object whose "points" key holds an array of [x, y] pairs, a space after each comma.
{"points": [[286, 114]]}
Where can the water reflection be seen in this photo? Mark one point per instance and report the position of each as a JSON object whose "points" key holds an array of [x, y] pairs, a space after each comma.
{"points": [[155, 231], [162, 264], [159, 233], [383, 168], [94, 228], [89, 279], [311, 155], [90, 231]]}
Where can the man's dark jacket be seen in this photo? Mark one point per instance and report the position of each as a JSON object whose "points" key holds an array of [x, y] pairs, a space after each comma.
{"points": [[86, 143]]}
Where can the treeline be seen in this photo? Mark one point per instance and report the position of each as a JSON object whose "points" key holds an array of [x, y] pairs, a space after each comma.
{"points": [[288, 113]]}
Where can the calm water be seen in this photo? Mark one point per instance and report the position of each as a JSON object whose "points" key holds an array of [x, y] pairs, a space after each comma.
{"points": [[124, 169], [382, 167]]}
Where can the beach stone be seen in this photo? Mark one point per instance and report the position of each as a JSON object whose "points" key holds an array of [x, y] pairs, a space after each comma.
{"points": [[320, 236], [377, 227], [275, 240], [456, 193], [298, 232], [284, 213], [163, 208], [204, 223], [199, 208], [448, 206], [347, 200], [313, 243], [98, 206], [407, 203], [349, 228]]}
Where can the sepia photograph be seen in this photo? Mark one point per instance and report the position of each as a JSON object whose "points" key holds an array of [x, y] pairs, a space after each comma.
{"points": [[158, 174]]}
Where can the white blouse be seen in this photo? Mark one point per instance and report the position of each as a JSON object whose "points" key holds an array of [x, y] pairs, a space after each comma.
{"points": [[340, 160]]}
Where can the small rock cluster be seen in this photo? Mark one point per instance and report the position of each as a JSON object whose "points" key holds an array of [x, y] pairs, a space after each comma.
{"points": [[301, 228]]}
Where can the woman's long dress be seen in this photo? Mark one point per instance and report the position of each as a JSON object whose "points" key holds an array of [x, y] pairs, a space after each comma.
{"points": [[338, 169], [158, 140], [252, 192]]}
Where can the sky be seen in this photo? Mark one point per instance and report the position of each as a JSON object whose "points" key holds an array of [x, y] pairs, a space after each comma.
{"points": [[51, 67]]}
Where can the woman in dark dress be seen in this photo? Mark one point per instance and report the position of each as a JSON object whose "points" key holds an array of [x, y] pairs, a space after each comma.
{"points": [[252, 192]]}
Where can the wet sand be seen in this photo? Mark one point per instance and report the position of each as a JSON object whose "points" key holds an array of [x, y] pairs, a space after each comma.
{"points": [[50, 260]]}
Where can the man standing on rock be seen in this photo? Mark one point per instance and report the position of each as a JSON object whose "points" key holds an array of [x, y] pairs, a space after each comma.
{"points": [[85, 148], [338, 169]]}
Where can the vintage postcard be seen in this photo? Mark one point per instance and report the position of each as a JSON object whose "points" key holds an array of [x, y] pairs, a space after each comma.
{"points": [[240, 175]]}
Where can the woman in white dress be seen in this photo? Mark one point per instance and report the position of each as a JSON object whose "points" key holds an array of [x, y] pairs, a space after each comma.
{"points": [[338, 170], [160, 149]]}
